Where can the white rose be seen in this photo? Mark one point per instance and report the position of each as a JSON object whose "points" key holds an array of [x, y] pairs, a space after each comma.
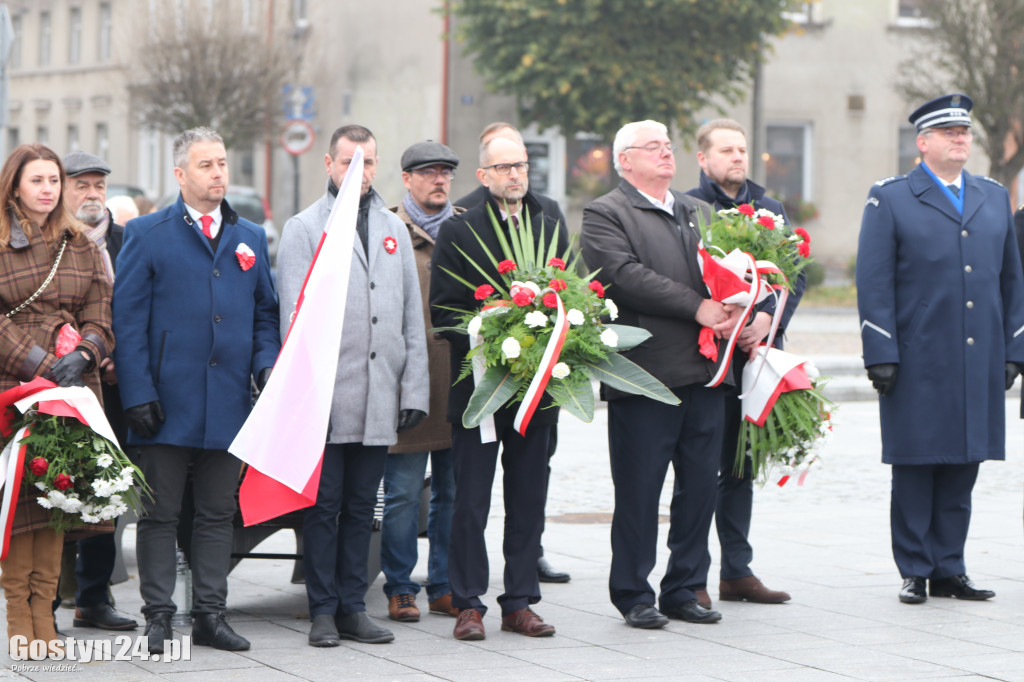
{"points": [[610, 338], [536, 319], [575, 317], [44, 503], [560, 370], [104, 460], [510, 347], [613, 310], [474, 325]]}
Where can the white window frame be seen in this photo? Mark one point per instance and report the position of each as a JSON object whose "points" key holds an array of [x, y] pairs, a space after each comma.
{"points": [[807, 165], [45, 37], [74, 35]]}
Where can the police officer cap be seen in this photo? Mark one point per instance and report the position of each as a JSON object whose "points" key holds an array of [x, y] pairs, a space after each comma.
{"points": [[943, 112], [429, 153], [77, 163]]}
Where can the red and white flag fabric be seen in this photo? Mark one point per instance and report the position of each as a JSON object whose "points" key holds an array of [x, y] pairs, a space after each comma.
{"points": [[283, 439], [547, 362], [783, 372], [77, 402]]}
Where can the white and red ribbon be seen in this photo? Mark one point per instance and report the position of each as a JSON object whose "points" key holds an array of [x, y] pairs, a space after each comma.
{"points": [[547, 363]]}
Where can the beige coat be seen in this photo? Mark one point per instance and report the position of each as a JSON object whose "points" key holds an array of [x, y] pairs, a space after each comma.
{"points": [[434, 432]]}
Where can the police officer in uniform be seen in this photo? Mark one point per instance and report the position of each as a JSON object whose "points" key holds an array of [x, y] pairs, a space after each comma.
{"points": [[940, 293]]}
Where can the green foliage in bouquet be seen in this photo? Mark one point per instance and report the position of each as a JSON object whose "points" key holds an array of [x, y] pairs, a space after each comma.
{"points": [[516, 320], [762, 234], [82, 477]]}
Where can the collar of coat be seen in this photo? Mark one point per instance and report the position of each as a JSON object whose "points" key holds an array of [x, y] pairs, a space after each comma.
{"points": [[686, 207], [420, 237], [227, 214], [18, 239]]}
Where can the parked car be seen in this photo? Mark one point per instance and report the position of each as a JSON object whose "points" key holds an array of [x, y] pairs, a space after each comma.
{"points": [[251, 205]]}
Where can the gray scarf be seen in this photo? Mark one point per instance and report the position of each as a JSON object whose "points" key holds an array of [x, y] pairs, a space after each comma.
{"points": [[429, 222]]}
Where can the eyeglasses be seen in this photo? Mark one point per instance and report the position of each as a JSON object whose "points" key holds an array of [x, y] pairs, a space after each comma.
{"points": [[952, 135], [506, 168], [434, 173], [654, 147]]}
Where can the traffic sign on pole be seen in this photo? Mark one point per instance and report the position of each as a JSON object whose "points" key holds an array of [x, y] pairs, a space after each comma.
{"points": [[297, 137]]}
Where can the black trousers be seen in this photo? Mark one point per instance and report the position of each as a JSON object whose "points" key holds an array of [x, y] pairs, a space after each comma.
{"points": [[644, 437], [215, 479], [336, 530], [524, 463], [930, 512]]}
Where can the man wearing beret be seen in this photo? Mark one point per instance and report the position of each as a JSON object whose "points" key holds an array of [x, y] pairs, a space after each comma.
{"points": [[940, 293], [427, 172]]}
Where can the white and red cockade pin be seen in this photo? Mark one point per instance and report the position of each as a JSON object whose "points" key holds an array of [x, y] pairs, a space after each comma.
{"points": [[245, 255], [390, 245]]}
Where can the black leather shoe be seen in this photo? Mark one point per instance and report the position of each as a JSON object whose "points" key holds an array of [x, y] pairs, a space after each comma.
{"points": [[912, 591], [547, 574], [158, 629], [103, 617], [959, 586], [692, 612], [359, 627], [645, 616], [324, 632], [210, 629]]}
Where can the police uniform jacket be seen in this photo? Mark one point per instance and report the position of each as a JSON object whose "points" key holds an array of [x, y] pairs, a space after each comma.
{"points": [[382, 362], [942, 295], [195, 326]]}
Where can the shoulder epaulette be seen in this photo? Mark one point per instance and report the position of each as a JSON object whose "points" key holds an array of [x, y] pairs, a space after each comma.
{"points": [[992, 180], [886, 181]]}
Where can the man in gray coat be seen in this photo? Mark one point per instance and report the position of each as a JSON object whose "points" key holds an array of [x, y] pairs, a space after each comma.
{"points": [[381, 388]]}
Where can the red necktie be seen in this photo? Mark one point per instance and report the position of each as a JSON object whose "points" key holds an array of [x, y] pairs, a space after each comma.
{"points": [[207, 220]]}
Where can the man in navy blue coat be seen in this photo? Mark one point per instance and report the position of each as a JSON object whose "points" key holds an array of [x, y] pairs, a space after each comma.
{"points": [[722, 155], [940, 293], [195, 307]]}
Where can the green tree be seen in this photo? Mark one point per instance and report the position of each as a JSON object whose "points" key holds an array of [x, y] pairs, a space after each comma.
{"points": [[593, 65], [196, 63], [975, 47]]}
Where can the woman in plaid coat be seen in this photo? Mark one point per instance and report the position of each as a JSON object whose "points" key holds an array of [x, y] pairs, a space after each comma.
{"points": [[34, 227]]}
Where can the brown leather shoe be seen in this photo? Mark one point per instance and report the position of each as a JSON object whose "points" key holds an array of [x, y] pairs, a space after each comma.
{"points": [[750, 589], [442, 606], [402, 608], [526, 622], [470, 625], [703, 598]]}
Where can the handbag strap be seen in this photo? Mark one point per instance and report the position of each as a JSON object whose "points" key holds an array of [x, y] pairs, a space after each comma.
{"points": [[46, 282]]}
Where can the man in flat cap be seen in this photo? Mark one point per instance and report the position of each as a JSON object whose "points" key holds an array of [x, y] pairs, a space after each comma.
{"points": [[86, 195], [427, 172], [941, 299]]}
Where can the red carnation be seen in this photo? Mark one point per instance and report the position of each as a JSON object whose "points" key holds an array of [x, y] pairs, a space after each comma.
{"points": [[62, 482], [38, 466], [550, 300], [483, 291], [746, 209], [805, 249], [802, 233], [506, 266], [767, 221], [597, 288], [523, 297], [558, 284], [557, 263]]}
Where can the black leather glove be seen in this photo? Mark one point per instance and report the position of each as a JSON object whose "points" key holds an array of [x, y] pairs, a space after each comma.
{"points": [[1012, 372], [262, 378], [409, 418], [67, 371], [145, 419], [883, 377]]}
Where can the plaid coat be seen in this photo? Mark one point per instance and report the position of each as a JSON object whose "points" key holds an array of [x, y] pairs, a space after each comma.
{"points": [[79, 294]]}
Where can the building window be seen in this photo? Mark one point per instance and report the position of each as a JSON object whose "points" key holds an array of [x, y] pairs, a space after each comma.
{"points": [[909, 156], [106, 29], [75, 36], [15, 60], [800, 12], [911, 13], [299, 10], [73, 143], [42, 135], [788, 164], [13, 139], [102, 141], [45, 33]]}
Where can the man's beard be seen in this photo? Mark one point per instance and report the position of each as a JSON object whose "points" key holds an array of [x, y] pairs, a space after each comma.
{"points": [[91, 218]]}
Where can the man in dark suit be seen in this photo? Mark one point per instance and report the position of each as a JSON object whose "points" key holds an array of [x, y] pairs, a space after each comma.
{"points": [[545, 571], [643, 237], [86, 195], [940, 293], [196, 312], [722, 155], [503, 167]]}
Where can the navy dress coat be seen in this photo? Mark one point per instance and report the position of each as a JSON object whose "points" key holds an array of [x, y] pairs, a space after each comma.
{"points": [[942, 295], [195, 325]]}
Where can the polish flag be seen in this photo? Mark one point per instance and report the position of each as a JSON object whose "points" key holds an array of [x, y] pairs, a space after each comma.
{"points": [[283, 439]]}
